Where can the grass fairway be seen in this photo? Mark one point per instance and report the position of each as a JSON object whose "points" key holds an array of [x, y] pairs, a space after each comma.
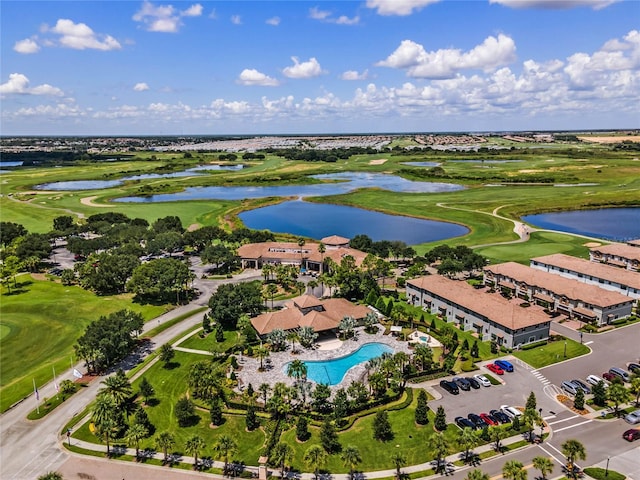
{"points": [[539, 244], [44, 319]]}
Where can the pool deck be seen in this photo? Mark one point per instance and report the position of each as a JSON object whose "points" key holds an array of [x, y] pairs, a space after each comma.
{"points": [[275, 371]]}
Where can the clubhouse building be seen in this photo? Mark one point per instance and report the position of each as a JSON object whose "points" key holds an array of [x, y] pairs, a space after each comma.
{"points": [[490, 317], [585, 302]]}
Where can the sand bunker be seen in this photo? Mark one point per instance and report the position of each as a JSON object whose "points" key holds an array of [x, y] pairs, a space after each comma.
{"points": [[88, 201], [591, 244], [380, 161]]}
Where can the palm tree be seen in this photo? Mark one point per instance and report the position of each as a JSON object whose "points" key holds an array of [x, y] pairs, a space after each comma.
{"points": [[440, 450], [514, 470], [573, 450], [224, 447], [497, 434], [531, 418], [351, 458], [50, 476], [544, 464], [262, 353], [118, 388], [301, 242], [135, 434], [635, 388], [264, 389], [267, 271], [165, 441], [618, 395], [297, 369], [193, 447], [103, 408], [292, 336], [477, 474], [321, 250], [282, 455], [314, 458], [105, 428], [399, 460], [467, 440], [272, 289]]}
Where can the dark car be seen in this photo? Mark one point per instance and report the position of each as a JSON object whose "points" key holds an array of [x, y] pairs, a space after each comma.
{"points": [[504, 365], [582, 386], [631, 435], [476, 420], [462, 383], [634, 368], [501, 417], [609, 377], [450, 387], [464, 422], [473, 382]]}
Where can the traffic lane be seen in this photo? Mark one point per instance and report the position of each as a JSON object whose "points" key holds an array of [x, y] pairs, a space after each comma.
{"points": [[515, 391], [614, 348]]}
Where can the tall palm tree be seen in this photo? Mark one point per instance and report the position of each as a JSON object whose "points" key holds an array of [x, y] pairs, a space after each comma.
{"points": [[224, 447], [292, 336], [297, 369], [165, 441], [573, 450], [321, 250], [467, 440], [301, 242], [514, 470], [272, 289], [440, 448], [262, 353], [477, 474], [544, 464], [135, 434], [118, 388], [351, 458], [315, 457], [399, 460], [282, 455], [193, 447], [264, 389], [106, 428], [104, 408], [618, 394]]}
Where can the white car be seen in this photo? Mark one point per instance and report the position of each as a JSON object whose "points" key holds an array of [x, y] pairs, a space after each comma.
{"points": [[510, 411], [482, 380], [633, 417], [594, 380]]}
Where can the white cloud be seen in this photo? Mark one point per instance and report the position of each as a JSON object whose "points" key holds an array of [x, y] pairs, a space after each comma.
{"points": [[26, 46], [140, 87], [80, 36], [354, 75], [398, 7], [491, 53], [555, 4], [236, 19], [164, 18], [18, 84], [251, 77], [327, 16], [308, 69], [274, 21]]}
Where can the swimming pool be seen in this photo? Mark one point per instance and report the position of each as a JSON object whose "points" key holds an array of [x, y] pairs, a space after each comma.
{"points": [[331, 372]]}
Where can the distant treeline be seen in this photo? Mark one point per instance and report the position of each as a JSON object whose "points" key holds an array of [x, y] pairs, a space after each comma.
{"points": [[58, 158]]}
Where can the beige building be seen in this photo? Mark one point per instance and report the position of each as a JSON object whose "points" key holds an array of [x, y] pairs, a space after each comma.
{"points": [[575, 299], [617, 254], [489, 316]]}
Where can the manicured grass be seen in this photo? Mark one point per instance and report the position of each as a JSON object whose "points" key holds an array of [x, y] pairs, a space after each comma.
{"points": [[551, 353], [603, 474], [209, 343], [174, 321], [45, 319]]}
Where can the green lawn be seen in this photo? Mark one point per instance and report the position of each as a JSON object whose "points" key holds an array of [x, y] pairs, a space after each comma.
{"points": [[44, 319], [209, 343], [551, 353]]}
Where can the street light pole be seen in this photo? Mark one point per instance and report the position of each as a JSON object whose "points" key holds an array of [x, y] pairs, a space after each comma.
{"points": [[606, 470], [565, 349], [541, 424]]}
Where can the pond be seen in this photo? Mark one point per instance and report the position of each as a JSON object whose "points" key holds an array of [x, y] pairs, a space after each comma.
{"points": [[102, 184], [608, 223], [482, 160], [319, 220], [340, 183], [421, 164], [331, 372]]}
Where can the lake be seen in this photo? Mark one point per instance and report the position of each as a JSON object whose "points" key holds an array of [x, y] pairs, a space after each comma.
{"points": [[339, 183], [608, 223], [102, 184], [421, 164], [318, 220]]}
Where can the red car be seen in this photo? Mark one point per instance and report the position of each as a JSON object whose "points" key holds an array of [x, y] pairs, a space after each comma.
{"points": [[495, 369], [488, 419], [610, 377], [631, 435]]}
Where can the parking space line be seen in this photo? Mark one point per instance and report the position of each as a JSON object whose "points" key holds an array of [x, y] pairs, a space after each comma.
{"points": [[549, 417], [571, 426]]}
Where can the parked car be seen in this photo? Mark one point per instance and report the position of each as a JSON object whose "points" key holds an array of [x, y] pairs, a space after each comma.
{"points": [[569, 387], [620, 373], [482, 380], [476, 420], [594, 380], [462, 383], [504, 365], [450, 387], [464, 422], [511, 412], [633, 417], [609, 377], [489, 419], [581, 385], [473, 382], [631, 435], [500, 416], [634, 368], [492, 367]]}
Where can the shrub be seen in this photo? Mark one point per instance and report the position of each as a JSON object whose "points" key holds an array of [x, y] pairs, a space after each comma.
{"points": [[422, 409], [185, 412]]}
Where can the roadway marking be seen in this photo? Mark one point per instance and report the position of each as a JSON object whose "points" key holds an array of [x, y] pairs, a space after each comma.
{"points": [[551, 454], [589, 343], [571, 426], [564, 420], [549, 417]]}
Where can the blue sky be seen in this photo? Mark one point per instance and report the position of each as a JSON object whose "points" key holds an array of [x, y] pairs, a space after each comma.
{"points": [[296, 67]]}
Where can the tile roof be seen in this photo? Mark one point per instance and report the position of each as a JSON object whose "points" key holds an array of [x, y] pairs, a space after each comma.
{"points": [[557, 284], [335, 240], [627, 278], [291, 251], [619, 250], [491, 306]]}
